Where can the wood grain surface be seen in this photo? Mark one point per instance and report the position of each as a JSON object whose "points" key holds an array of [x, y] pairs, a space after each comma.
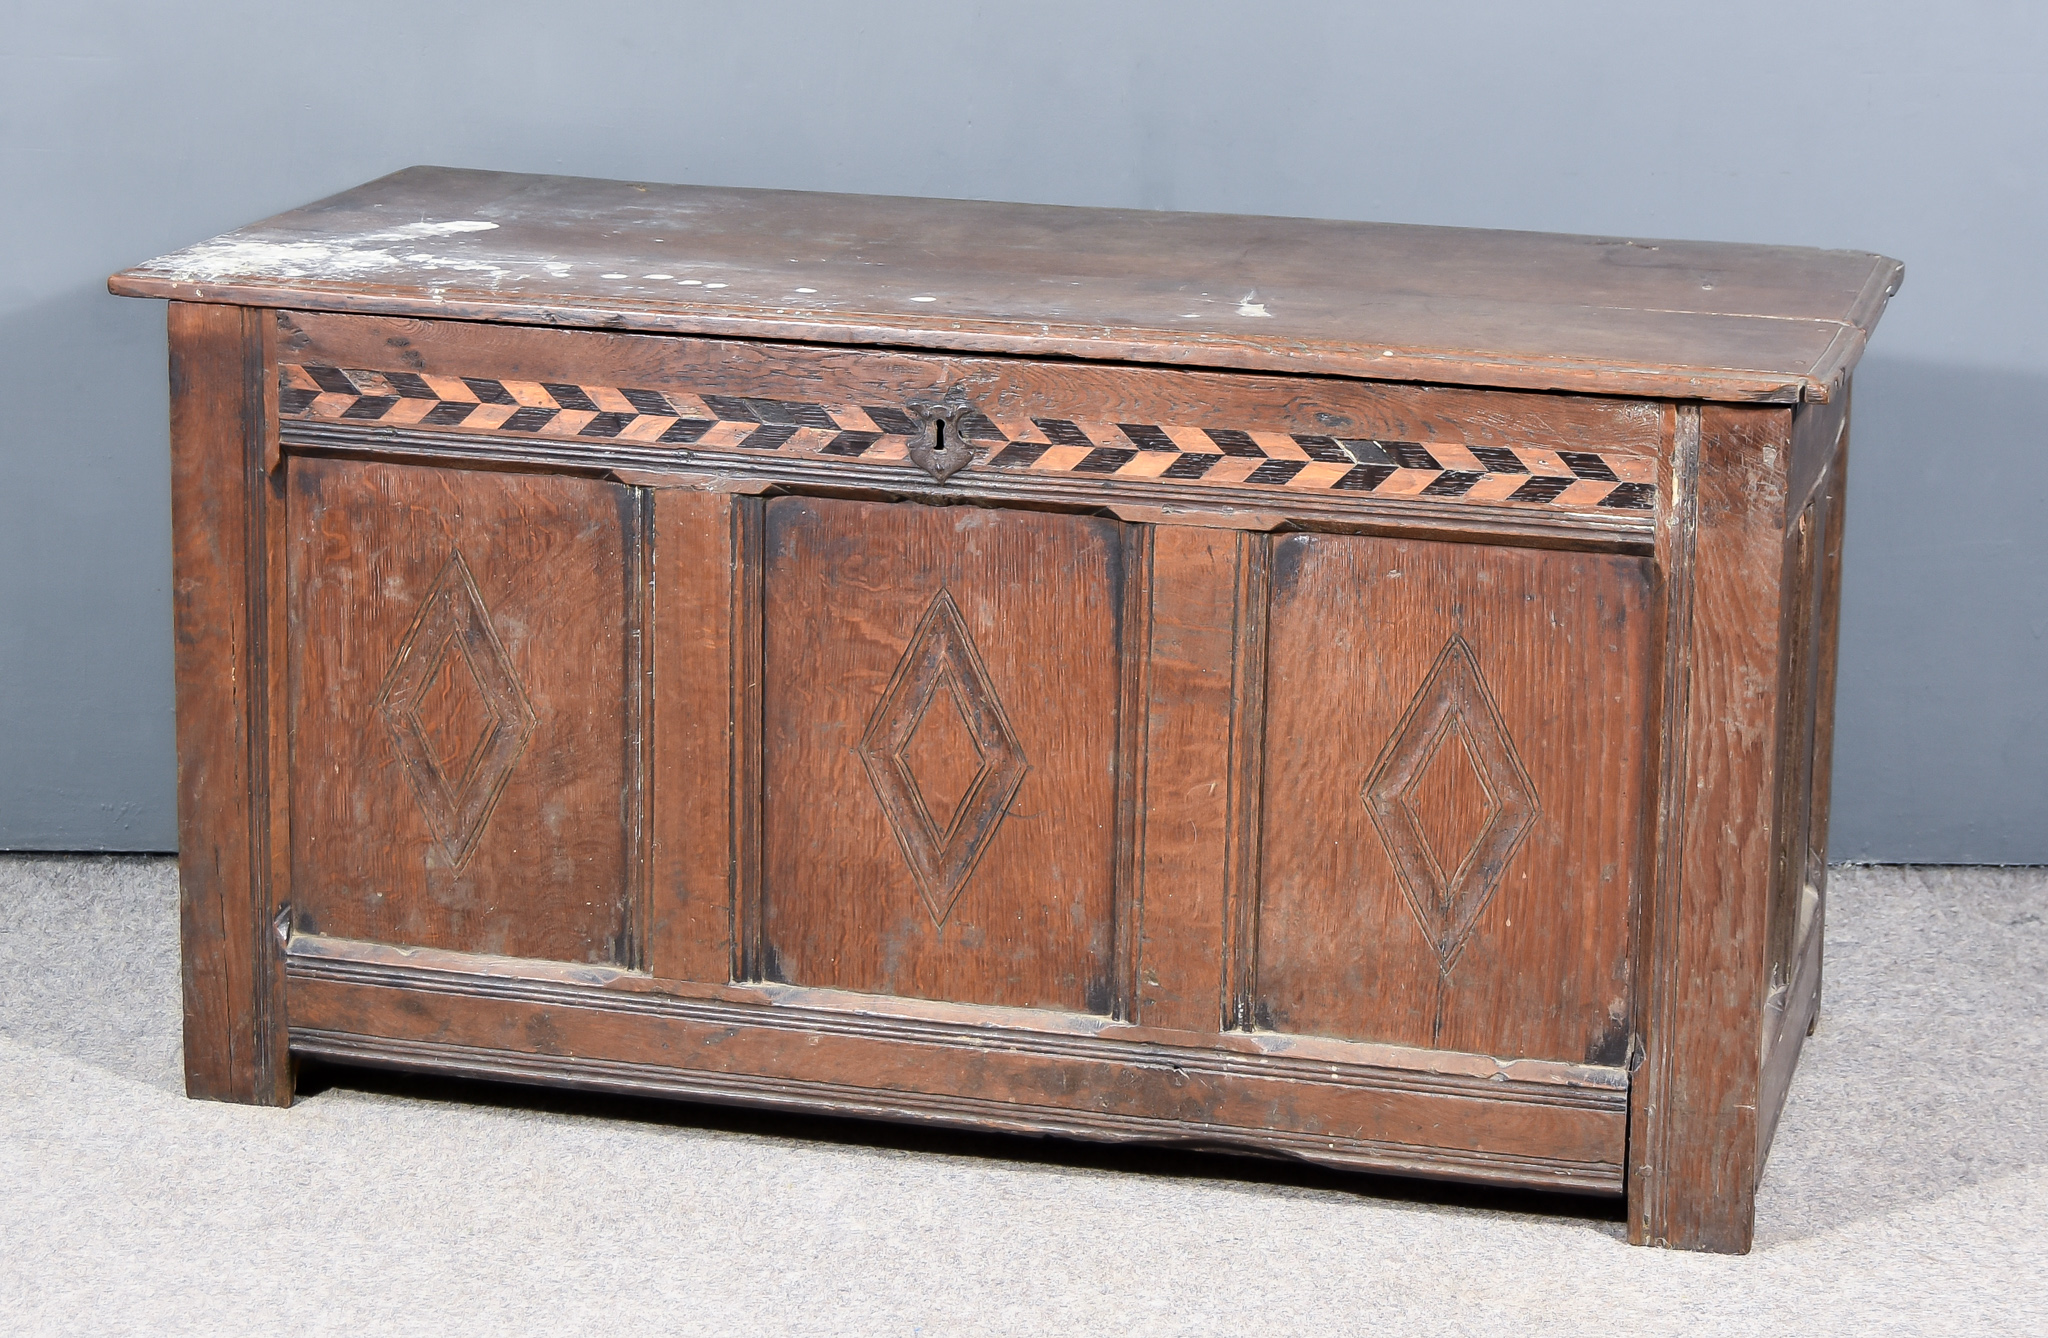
{"points": [[1695, 1128], [223, 508], [694, 728], [1381, 301], [541, 862], [1006, 386], [1462, 426], [1027, 1070], [1187, 776], [1829, 657], [854, 596], [1361, 936], [1797, 911]]}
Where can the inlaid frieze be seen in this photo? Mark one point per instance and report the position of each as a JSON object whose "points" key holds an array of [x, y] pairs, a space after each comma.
{"points": [[1217, 454]]}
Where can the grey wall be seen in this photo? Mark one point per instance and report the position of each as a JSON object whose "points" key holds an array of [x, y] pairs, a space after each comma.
{"points": [[127, 129]]}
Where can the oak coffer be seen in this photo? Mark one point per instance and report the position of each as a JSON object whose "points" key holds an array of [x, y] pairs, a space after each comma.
{"points": [[1352, 692]]}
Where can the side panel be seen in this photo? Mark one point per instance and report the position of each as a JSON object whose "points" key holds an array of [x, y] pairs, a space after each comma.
{"points": [[1454, 780], [939, 731], [464, 746], [1798, 909]]}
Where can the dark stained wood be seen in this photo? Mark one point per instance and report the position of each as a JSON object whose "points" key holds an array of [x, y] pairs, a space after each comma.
{"points": [[1453, 795], [862, 603], [1695, 1128], [233, 995], [745, 702], [1392, 730], [1466, 1116], [637, 724], [1385, 302], [493, 587]]}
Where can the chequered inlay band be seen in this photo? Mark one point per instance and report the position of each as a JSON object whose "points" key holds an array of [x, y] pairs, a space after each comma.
{"points": [[1574, 480]]}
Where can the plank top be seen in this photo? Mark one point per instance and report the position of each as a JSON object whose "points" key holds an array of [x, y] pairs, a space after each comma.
{"points": [[1605, 315]]}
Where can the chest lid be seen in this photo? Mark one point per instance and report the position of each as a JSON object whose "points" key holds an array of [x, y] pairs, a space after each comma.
{"points": [[1604, 315]]}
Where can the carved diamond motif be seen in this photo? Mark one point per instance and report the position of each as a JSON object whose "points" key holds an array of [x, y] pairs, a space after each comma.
{"points": [[456, 713], [942, 756], [1450, 800], [455, 717]]}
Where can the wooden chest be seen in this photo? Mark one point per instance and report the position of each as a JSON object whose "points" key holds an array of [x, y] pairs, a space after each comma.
{"points": [[1353, 692]]}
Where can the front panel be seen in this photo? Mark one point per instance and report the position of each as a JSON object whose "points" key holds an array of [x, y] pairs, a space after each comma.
{"points": [[1455, 770], [1065, 770], [460, 730], [939, 690]]}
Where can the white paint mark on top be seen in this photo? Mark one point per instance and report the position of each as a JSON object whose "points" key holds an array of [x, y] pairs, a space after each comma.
{"points": [[611, 276], [689, 283], [714, 285], [447, 229], [807, 290], [924, 299], [223, 257], [657, 276], [1247, 307]]}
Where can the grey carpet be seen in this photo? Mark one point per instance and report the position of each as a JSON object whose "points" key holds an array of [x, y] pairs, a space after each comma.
{"points": [[1907, 1193]]}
